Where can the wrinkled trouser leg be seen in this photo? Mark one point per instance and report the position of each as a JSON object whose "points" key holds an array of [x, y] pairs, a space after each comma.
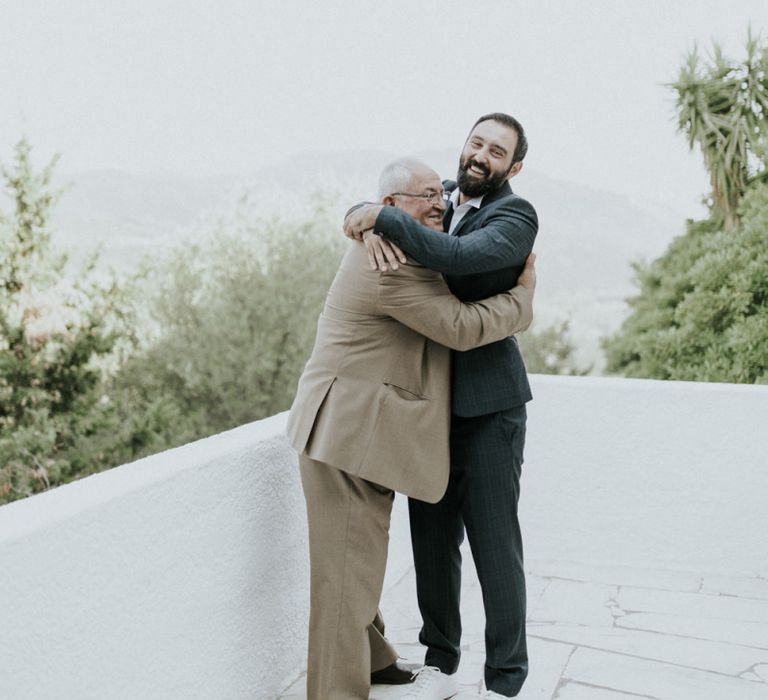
{"points": [[482, 496], [348, 522]]}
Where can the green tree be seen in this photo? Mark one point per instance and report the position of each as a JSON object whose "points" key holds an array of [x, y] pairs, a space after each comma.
{"points": [[233, 317], [722, 106], [702, 310], [54, 329]]}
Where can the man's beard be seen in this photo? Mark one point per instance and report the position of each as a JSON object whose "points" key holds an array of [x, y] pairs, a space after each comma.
{"points": [[471, 187]]}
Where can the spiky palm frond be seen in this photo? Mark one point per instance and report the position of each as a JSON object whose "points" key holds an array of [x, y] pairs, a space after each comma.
{"points": [[722, 106]]}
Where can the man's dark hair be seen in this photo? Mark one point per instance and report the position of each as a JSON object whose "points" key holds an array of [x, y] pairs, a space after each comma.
{"points": [[522, 142]]}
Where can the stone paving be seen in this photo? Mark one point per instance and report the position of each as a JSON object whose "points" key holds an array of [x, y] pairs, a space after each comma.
{"points": [[610, 633]]}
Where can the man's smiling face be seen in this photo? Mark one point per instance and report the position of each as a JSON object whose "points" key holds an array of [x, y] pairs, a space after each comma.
{"points": [[426, 212], [486, 160]]}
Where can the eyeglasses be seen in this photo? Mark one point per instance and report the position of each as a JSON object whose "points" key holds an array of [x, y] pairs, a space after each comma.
{"points": [[431, 197]]}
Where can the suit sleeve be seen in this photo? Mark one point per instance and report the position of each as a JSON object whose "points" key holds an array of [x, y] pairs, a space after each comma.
{"points": [[355, 207], [420, 299], [505, 239]]}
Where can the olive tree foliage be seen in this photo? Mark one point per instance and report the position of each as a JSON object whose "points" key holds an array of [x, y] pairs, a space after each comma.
{"points": [[55, 330], [702, 310], [550, 351], [231, 319]]}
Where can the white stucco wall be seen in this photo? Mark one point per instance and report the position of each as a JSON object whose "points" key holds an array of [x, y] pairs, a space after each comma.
{"points": [[184, 575], [647, 473]]}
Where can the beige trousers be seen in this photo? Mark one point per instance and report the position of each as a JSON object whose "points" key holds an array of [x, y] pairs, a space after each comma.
{"points": [[348, 522]]}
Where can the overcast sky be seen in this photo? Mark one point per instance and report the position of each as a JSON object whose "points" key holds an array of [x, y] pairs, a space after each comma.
{"points": [[232, 86]]}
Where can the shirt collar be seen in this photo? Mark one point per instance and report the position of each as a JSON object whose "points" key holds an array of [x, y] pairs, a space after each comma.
{"points": [[474, 202]]}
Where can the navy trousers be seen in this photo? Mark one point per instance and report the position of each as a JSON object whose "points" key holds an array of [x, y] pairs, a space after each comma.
{"points": [[482, 496]]}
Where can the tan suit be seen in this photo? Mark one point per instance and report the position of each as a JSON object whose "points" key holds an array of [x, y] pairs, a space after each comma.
{"points": [[371, 416]]}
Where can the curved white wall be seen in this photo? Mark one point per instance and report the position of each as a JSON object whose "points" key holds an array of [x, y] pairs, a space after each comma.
{"points": [[184, 575]]}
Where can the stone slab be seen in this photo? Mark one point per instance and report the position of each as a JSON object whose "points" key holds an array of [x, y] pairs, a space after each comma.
{"points": [[616, 574], [730, 585], [579, 691], [546, 661], [694, 605], [576, 602], [629, 674], [701, 654], [744, 633]]}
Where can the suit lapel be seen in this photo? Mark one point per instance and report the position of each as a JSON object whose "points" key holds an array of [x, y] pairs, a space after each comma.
{"points": [[466, 219], [473, 213]]}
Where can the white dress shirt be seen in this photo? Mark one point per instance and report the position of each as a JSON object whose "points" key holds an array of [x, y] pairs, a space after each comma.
{"points": [[460, 210]]}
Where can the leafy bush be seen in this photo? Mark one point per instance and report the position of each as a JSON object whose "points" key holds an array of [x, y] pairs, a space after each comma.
{"points": [[702, 310]]}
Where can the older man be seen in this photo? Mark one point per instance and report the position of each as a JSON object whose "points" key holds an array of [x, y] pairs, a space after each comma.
{"points": [[371, 416], [491, 232]]}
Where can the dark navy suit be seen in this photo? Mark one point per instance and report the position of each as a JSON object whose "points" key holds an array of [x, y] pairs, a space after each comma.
{"points": [[484, 256]]}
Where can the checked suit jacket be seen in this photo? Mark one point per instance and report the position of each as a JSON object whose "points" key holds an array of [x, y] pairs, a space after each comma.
{"points": [[485, 255], [374, 397]]}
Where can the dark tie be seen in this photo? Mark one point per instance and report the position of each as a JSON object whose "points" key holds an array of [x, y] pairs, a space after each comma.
{"points": [[447, 217]]}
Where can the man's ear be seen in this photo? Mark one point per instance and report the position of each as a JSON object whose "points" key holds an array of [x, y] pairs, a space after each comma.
{"points": [[515, 169]]}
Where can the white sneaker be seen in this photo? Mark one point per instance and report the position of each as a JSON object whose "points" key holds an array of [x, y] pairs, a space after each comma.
{"points": [[432, 684]]}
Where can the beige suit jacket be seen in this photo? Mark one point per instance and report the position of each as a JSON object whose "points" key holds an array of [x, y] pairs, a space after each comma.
{"points": [[374, 398]]}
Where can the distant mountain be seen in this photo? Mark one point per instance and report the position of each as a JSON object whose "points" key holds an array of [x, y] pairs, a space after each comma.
{"points": [[586, 241], [130, 214]]}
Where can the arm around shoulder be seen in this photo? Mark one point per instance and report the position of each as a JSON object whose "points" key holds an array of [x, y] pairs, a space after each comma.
{"points": [[420, 299], [505, 239]]}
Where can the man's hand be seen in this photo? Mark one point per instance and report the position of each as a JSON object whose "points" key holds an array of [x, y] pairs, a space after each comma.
{"points": [[381, 252], [361, 220], [528, 276]]}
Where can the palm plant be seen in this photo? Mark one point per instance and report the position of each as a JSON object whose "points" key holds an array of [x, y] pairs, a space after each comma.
{"points": [[723, 106]]}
